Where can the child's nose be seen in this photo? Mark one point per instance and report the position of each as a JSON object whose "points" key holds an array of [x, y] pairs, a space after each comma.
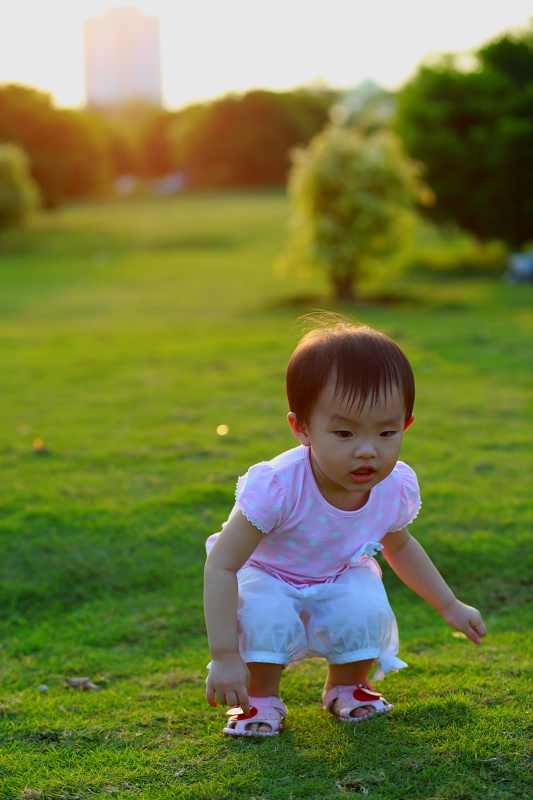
{"points": [[365, 448]]}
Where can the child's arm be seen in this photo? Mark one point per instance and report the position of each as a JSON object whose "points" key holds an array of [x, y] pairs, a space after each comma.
{"points": [[229, 676], [414, 567]]}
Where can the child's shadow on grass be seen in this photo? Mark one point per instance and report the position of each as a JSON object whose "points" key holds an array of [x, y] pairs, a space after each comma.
{"points": [[389, 752]]}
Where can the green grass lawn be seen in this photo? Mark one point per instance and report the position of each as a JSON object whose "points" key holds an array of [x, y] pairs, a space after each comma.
{"points": [[128, 334]]}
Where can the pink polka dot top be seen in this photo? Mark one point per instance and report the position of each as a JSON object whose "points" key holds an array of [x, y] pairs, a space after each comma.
{"points": [[308, 540]]}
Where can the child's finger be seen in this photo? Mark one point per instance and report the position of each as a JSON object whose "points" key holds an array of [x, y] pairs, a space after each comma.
{"points": [[244, 702], [476, 631], [210, 696], [480, 630], [238, 698]]}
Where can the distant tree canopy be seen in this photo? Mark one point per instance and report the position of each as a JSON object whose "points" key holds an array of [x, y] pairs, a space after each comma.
{"points": [[18, 191], [474, 132], [246, 140], [66, 149], [231, 142], [137, 139]]}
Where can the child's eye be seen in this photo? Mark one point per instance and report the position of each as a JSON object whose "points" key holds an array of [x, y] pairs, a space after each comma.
{"points": [[387, 434], [343, 434]]}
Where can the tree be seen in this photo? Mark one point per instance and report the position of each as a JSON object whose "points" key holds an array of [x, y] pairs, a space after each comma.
{"points": [[353, 199], [245, 141], [474, 132], [18, 191], [138, 139], [67, 149]]}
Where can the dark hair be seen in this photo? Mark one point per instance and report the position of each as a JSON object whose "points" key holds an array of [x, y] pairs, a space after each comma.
{"points": [[363, 363]]}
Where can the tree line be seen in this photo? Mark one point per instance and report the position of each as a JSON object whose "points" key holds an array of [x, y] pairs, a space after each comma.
{"points": [[235, 141], [472, 130]]}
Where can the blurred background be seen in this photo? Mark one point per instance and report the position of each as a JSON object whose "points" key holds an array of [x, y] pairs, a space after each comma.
{"points": [[110, 100]]}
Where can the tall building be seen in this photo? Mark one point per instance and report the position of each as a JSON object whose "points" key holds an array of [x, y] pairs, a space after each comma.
{"points": [[122, 58]]}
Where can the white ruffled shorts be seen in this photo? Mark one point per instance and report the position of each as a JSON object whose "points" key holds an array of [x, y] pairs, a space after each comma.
{"points": [[344, 621]]}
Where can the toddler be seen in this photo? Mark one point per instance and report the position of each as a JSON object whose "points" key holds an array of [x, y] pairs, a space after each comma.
{"points": [[292, 573]]}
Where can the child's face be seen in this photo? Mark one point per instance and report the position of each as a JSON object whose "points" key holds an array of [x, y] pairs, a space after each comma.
{"points": [[352, 449]]}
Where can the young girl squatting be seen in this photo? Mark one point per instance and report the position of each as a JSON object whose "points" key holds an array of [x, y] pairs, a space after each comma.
{"points": [[292, 573]]}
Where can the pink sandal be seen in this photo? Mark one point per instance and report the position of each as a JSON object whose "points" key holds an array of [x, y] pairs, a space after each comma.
{"points": [[348, 698], [263, 710]]}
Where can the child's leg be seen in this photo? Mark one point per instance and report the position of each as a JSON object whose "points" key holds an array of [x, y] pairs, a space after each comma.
{"points": [[271, 634], [264, 679], [350, 674], [352, 625], [264, 682]]}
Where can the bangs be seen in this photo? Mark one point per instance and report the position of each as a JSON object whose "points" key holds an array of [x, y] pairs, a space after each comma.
{"points": [[362, 375], [362, 363]]}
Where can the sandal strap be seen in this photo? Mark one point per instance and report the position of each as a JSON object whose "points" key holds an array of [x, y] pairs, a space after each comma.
{"points": [[351, 697], [268, 710], [238, 713], [268, 707]]}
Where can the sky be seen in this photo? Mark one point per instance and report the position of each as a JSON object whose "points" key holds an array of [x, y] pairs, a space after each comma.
{"points": [[211, 47]]}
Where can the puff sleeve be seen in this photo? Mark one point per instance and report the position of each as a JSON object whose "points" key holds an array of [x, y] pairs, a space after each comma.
{"points": [[409, 500], [261, 497]]}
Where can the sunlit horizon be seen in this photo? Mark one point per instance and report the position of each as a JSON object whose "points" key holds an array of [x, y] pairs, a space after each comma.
{"points": [[210, 48]]}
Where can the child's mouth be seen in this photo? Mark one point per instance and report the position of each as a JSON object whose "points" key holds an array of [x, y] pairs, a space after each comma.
{"points": [[363, 474]]}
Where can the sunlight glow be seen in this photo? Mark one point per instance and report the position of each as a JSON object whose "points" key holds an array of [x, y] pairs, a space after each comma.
{"points": [[210, 48]]}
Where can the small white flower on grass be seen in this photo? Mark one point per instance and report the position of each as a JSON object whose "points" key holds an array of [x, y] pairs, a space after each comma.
{"points": [[222, 430]]}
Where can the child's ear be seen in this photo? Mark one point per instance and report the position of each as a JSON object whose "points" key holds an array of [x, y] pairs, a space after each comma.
{"points": [[299, 430], [408, 423]]}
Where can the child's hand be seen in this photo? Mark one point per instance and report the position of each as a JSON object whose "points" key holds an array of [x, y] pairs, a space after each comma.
{"points": [[228, 680], [465, 619]]}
